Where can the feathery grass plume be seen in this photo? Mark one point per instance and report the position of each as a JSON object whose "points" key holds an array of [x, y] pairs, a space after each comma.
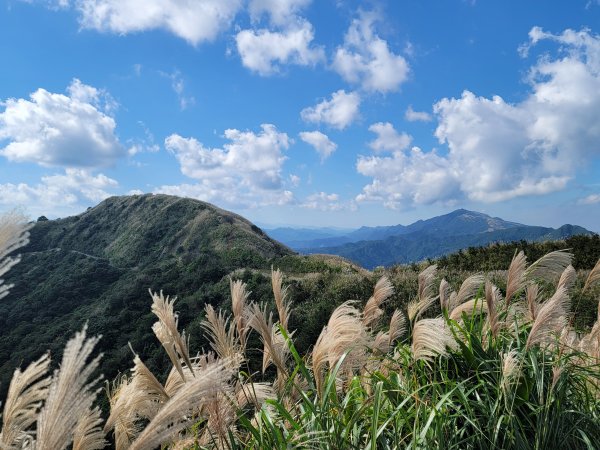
{"points": [[515, 279], [473, 306], [532, 294], [88, 433], [344, 334], [14, 234], [239, 298], [551, 319], [254, 393], [70, 395], [166, 331], [444, 294], [590, 343], [281, 301], [593, 277], [223, 340], [121, 418], [262, 323], [550, 266], [493, 298], [397, 326], [26, 392], [426, 295], [568, 277], [174, 381], [510, 370], [430, 338], [179, 412], [372, 311], [467, 290]]}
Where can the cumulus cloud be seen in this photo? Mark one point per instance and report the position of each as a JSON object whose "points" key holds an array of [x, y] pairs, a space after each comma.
{"points": [[280, 12], [339, 112], [591, 199], [194, 21], [245, 173], [265, 51], [388, 139], [498, 150], [323, 201], [72, 130], [59, 193], [416, 116], [365, 59], [320, 142]]}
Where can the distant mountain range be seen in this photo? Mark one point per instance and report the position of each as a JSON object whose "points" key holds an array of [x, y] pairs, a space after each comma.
{"points": [[431, 238]]}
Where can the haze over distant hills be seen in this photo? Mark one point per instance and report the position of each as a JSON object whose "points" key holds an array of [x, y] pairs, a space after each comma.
{"points": [[386, 245]]}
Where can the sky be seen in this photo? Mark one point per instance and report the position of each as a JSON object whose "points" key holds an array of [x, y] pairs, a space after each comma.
{"points": [[305, 113]]}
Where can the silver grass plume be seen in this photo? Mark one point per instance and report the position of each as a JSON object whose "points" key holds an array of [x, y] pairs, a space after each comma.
{"points": [[473, 306], [175, 382], [492, 300], [281, 300], [179, 412], [26, 392], [551, 319], [121, 418], [165, 329], [532, 294], [430, 338], [515, 279], [550, 266], [220, 333], [426, 294], [262, 323], [14, 234], [372, 311], [383, 341], [239, 299], [593, 277], [444, 294], [567, 278], [71, 394], [510, 370], [467, 290], [88, 433]]}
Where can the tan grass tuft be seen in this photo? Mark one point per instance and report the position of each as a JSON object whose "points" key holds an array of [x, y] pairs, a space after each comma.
{"points": [[593, 277], [550, 320], [567, 278], [88, 433], [239, 299], [493, 297], [515, 279], [474, 306], [444, 294], [426, 293], [431, 338], [510, 370], [372, 311], [550, 266], [281, 301], [467, 290], [222, 336], [532, 294]]}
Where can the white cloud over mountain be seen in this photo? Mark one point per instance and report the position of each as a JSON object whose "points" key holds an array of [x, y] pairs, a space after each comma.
{"points": [[498, 150], [50, 129], [339, 112]]}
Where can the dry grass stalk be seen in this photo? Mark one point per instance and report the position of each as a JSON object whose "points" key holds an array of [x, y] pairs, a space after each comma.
{"points": [[174, 381], [493, 297], [179, 412], [590, 343], [27, 391], [474, 306], [281, 301], [14, 234], [397, 326], [567, 278], [444, 294], [431, 338], [254, 393], [515, 279], [510, 370], [426, 293], [121, 419], [88, 433], [70, 395], [593, 277], [222, 336], [239, 299], [551, 319], [533, 301], [272, 339], [467, 290], [166, 331], [550, 266], [372, 311]]}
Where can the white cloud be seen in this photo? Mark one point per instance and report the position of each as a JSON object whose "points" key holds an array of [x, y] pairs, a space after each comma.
{"points": [[497, 150], [323, 201], [178, 86], [58, 194], [194, 21], [591, 199], [294, 180], [245, 173], [280, 12], [59, 130], [339, 112], [265, 51], [320, 142], [366, 59], [388, 139], [416, 116]]}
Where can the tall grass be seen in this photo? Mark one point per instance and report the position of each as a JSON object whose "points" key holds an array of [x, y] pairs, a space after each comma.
{"points": [[492, 370]]}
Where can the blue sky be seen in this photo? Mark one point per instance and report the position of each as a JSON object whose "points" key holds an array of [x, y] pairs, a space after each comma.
{"points": [[307, 113]]}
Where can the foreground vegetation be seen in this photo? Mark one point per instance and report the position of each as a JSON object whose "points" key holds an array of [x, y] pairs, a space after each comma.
{"points": [[495, 368]]}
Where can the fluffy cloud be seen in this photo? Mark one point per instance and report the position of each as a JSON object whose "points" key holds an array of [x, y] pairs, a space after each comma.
{"points": [[280, 12], [366, 59], [416, 116], [72, 130], [497, 150], [246, 172], [388, 138], [339, 112], [194, 21], [265, 51], [323, 201], [321, 143], [66, 193], [591, 199]]}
